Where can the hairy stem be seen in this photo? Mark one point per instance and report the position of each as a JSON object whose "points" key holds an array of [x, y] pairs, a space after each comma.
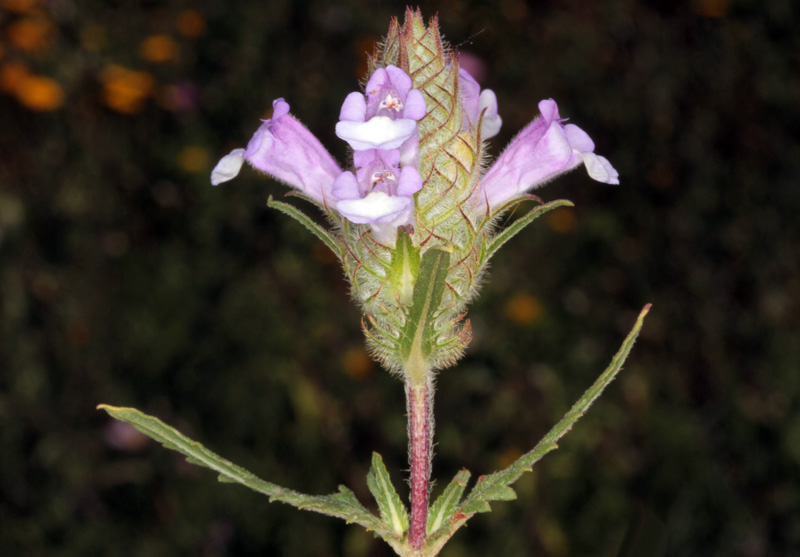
{"points": [[419, 398]]}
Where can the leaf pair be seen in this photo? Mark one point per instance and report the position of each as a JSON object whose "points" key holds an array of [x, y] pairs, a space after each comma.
{"points": [[447, 514]]}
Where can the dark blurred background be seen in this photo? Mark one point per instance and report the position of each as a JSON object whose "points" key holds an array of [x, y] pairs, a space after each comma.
{"points": [[127, 279]]}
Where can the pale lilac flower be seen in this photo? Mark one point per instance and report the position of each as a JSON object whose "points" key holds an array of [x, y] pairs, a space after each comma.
{"points": [[540, 152], [285, 149], [386, 117], [474, 101], [380, 192]]}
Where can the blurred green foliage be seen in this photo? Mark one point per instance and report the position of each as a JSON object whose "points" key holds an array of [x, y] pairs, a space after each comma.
{"points": [[127, 279]]}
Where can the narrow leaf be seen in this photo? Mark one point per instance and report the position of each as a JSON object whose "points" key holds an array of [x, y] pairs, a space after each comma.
{"points": [[515, 227], [393, 512], [304, 219], [404, 267], [416, 341], [446, 504], [494, 487], [342, 504]]}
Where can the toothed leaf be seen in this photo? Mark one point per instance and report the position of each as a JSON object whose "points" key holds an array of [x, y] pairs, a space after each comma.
{"points": [[494, 487], [342, 504], [446, 504], [392, 510]]}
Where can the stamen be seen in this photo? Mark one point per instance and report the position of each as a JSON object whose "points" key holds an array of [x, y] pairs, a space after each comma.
{"points": [[384, 176], [391, 102]]}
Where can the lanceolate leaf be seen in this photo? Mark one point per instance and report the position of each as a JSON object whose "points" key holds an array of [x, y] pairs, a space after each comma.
{"points": [[515, 227], [404, 266], [416, 340], [303, 219], [393, 512], [446, 504], [495, 487], [342, 504]]}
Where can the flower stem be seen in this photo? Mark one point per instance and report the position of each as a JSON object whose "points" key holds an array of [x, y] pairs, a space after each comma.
{"points": [[419, 398]]}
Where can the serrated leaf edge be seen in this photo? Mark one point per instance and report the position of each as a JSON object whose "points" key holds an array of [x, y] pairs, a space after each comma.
{"points": [[495, 486], [447, 503], [342, 504], [393, 511]]}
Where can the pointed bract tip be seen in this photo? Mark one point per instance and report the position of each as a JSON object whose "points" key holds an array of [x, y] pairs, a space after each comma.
{"points": [[413, 12]]}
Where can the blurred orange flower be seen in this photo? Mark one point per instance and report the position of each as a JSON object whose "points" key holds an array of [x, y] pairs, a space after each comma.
{"points": [[159, 48], [30, 34], [562, 220], [357, 363], [11, 75], [20, 6], [711, 8], [40, 93], [193, 158], [191, 24], [524, 309], [126, 90]]}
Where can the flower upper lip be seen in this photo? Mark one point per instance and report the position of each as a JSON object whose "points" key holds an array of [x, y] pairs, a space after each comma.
{"points": [[384, 119]]}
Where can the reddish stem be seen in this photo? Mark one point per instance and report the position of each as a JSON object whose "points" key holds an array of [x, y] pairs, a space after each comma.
{"points": [[419, 401]]}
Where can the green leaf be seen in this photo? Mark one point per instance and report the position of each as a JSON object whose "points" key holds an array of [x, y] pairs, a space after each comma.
{"points": [[495, 487], [304, 219], [446, 504], [393, 512], [416, 340], [516, 227], [342, 504], [404, 267]]}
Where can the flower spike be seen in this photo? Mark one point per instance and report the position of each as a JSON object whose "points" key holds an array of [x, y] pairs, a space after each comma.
{"points": [[417, 183]]}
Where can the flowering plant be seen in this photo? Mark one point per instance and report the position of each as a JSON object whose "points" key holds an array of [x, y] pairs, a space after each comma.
{"points": [[413, 220]]}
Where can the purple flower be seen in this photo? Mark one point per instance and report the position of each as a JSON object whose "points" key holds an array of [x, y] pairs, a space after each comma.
{"points": [[540, 152], [474, 101], [387, 117], [380, 193], [283, 148]]}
